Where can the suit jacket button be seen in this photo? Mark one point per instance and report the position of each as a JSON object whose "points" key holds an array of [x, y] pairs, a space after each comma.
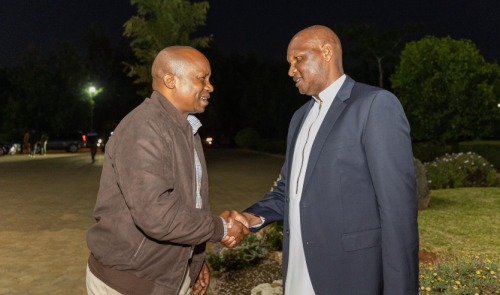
{"points": [[287, 232], [287, 199]]}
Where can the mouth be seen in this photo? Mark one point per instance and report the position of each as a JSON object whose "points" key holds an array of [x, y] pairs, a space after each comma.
{"points": [[205, 98], [297, 81]]}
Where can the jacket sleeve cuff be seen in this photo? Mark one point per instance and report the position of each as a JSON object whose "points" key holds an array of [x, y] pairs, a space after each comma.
{"points": [[219, 230]]}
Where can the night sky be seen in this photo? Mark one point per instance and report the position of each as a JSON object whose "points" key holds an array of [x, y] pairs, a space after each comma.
{"points": [[261, 26]]}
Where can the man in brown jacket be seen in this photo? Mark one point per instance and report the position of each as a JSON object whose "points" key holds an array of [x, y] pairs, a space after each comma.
{"points": [[152, 210]]}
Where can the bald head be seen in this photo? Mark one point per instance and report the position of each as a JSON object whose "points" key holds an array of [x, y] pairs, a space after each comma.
{"points": [[174, 60], [320, 36]]}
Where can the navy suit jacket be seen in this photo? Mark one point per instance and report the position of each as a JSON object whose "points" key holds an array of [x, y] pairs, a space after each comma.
{"points": [[358, 209]]}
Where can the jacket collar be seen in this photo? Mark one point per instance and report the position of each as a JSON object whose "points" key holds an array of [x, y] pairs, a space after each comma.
{"points": [[331, 117], [171, 110]]}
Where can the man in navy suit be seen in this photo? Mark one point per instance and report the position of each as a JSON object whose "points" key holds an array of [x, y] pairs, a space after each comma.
{"points": [[348, 191]]}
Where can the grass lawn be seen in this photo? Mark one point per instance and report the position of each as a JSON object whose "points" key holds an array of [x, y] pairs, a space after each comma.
{"points": [[464, 219]]}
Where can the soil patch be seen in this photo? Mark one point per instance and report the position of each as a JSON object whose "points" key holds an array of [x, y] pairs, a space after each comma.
{"points": [[427, 257]]}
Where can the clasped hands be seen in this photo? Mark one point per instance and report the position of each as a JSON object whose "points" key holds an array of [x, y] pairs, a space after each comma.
{"points": [[238, 227]]}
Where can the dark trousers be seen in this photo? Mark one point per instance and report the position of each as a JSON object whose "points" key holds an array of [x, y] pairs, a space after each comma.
{"points": [[33, 148], [93, 151]]}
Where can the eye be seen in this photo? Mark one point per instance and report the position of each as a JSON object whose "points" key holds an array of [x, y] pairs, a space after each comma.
{"points": [[298, 58]]}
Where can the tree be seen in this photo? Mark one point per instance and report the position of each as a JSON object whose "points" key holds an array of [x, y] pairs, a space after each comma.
{"points": [[46, 94], [448, 90], [106, 70], [249, 92], [379, 49], [159, 24]]}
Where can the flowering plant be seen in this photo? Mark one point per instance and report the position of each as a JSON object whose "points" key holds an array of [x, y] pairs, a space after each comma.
{"points": [[466, 275], [460, 170]]}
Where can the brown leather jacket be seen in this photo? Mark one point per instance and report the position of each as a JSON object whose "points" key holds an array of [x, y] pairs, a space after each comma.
{"points": [[147, 221]]}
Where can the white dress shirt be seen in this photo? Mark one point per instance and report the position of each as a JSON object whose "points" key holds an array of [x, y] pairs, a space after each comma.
{"points": [[298, 281]]}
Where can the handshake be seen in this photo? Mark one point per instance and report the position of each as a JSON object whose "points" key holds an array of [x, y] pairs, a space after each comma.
{"points": [[238, 227]]}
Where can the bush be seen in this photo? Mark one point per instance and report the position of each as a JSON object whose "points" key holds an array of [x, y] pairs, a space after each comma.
{"points": [[273, 146], [460, 170], [275, 236], [463, 276], [248, 138], [489, 149], [429, 151], [237, 282], [246, 254]]}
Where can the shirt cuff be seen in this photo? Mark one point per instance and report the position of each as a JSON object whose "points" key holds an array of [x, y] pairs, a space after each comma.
{"points": [[260, 224], [225, 227]]}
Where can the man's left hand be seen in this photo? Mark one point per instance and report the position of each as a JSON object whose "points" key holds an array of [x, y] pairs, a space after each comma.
{"points": [[202, 281]]}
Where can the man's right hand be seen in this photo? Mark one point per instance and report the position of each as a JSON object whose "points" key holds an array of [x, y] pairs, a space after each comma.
{"points": [[236, 229]]}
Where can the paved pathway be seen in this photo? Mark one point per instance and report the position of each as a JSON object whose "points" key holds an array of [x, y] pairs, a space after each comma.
{"points": [[47, 206]]}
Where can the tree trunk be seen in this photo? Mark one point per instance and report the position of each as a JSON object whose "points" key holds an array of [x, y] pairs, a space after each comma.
{"points": [[380, 73]]}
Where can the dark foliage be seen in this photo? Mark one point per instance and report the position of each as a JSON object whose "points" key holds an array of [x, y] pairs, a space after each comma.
{"points": [[490, 150]]}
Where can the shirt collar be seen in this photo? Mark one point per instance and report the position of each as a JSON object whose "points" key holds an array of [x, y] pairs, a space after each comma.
{"points": [[331, 91], [195, 123]]}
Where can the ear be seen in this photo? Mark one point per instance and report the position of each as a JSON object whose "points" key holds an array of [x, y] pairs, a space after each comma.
{"points": [[327, 52], [169, 81]]}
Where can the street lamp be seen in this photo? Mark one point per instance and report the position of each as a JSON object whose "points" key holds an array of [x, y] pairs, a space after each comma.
{"points": [[92, 92]]}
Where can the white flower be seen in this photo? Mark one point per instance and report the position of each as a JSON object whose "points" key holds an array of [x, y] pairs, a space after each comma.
{"points": [[472, 163], [466, 161], [469, 153], [479, 157], [430, 181], [484, 164], [459, 167]]}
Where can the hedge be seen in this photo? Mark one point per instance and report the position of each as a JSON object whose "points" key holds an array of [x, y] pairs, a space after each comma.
{"points": [[490, 150], [429, 151]]}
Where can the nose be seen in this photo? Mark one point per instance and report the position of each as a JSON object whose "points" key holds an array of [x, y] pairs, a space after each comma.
{"points": [[292, 70], [209, 87]]}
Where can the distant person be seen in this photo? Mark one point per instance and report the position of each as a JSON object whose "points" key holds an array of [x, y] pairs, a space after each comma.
{"points": [[152, 210], [92, 143], [33, 140], [43, 143], [26, 143]]}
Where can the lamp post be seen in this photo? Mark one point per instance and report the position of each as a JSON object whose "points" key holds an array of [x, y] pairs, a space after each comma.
{"points": [[92, 92]]}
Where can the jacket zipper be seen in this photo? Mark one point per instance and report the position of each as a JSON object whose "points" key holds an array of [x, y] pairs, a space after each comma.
{"points": [[194, 193], [304, 150], [140, 246], [194, 170], [183, 273]]}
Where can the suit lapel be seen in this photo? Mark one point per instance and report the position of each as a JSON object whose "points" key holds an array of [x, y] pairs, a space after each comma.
{"points": [[331, 117]]}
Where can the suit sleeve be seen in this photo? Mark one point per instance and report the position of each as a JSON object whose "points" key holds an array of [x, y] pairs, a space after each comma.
{"points": [[272, 207], [143, 168], [388, 150]]}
